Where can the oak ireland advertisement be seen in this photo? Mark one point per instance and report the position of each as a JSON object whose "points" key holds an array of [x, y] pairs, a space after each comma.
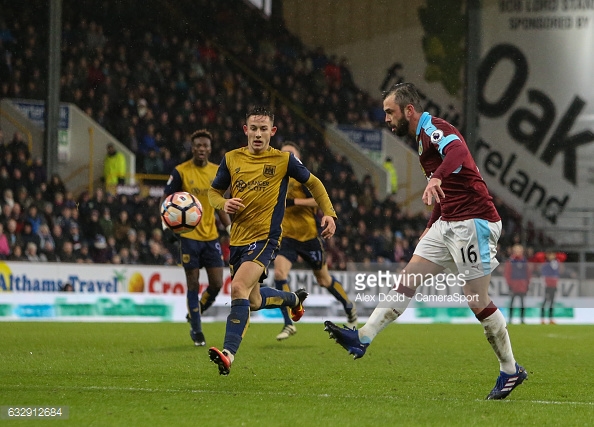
{"points": [[536, 105]]}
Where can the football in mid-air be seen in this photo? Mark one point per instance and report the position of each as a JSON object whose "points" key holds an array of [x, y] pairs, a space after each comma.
{"points": [[181, 212]]}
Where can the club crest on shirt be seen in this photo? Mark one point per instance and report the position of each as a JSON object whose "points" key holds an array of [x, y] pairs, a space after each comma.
{"points": [[420, 147], [269, 170]]}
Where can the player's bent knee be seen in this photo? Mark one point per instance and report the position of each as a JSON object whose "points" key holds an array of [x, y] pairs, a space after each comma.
{"points": [[324, 283], [240, 290]]}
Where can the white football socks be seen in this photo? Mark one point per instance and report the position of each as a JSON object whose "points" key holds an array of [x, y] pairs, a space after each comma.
{"points": [[383, 316], [496, 333]]}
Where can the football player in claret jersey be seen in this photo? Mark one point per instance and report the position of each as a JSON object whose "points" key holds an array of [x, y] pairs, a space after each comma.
{"points": [[257, 177], [461, 235], [200, 247], [300, 239]]}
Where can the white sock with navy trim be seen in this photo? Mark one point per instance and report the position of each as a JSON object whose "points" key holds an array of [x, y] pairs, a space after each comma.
{"points": [[497, 335], [383, 316]]}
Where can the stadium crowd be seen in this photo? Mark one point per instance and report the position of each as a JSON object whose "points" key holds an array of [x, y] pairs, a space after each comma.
{"points": [[152, 85]]}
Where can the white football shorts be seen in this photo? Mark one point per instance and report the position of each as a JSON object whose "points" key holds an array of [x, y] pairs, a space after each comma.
{"points": [[467, 248]]}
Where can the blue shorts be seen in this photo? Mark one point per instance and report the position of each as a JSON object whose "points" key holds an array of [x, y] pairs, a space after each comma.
{"points": [[311, 251], [198, 254], [261, 252]]}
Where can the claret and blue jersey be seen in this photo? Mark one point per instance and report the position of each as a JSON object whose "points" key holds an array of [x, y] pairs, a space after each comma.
{"points": [[466, 194]]}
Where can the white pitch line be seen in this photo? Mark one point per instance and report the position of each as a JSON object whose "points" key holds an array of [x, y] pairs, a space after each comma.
{"points": [[280, 394]]}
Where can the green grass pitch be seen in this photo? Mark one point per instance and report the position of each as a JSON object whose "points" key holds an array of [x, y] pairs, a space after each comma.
{"points": [[151, 375]]}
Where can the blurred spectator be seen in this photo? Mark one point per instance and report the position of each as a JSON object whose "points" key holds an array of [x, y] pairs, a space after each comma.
{"points": [[5, 214], [98, 200], [59, 202], [34, 217], [125, 203], [8, 197], [121, 227], [28, 236], [106, 222], [4, 178], [17, 182], [17, 214], [125, 256], [59, 237], [64, 219], [45, 235], [49, 251], [112, 248], [92, 227], [100, 253], [67, 253], [75, 236], [152, 163], [17, 144], [169, 163], [23, 197], [17, 254], [67, 287], [154, 256], [56, 185], [39, 170], [4, 245], [70, 201], [32, 255], [83, 207], [12, 234], [83, 255]]}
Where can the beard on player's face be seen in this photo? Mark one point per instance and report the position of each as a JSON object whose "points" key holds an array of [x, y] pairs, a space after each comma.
{"points": [[401, 128]]}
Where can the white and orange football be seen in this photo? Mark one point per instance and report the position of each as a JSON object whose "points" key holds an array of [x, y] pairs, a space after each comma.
{"points": [[181, 212]]}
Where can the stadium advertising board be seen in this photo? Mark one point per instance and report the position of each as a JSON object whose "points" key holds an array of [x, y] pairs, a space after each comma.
{"points": [[35, 111], [366, 139], [23, 277], [30, 291], [536, 104]]}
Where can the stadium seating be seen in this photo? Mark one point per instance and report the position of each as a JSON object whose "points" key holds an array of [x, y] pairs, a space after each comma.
{"points": [[152, 85]]}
